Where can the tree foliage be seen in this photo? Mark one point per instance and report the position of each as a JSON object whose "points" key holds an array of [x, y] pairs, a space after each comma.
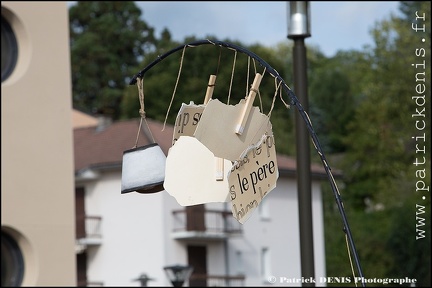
{"points": [[380, 176], [380, 141], [107, 40], [332, 104]]}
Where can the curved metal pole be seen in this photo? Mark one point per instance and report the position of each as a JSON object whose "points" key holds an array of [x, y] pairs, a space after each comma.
{"points": [[303, 114]]}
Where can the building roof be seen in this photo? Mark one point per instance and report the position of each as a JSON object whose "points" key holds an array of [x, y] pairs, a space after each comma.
{"points": [[97, 147], [81, 119]]}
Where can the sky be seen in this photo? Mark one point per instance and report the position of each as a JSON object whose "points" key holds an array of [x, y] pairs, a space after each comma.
{"points": [[334, 25]]}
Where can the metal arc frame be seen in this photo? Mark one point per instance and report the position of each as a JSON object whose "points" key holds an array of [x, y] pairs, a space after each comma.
{"points": [[294, 101]]}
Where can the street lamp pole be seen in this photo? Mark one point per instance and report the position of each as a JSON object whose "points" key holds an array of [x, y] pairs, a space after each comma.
{"points": [[143, 279], [178, 274], [298, 30]]}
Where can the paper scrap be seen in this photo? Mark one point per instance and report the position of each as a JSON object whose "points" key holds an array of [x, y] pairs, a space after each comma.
{"points": [[216, 129], [190, 174], [187, 120], [252, 177]]}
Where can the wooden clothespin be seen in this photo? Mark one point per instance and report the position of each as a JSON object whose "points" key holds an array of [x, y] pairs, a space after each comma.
{"points": [[208, 96], [248, 106]]}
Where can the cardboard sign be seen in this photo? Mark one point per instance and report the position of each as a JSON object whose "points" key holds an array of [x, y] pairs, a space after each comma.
{"points": [[217, 128], [252, 177], [191, 173], [187, 120]]}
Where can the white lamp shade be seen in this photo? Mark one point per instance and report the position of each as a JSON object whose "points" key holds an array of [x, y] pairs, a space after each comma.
{"points": [[143, 169]]}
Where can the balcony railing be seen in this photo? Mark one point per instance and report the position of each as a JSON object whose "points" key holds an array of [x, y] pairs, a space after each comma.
{"points": [[85, 283], [93, 226], [94, 284], [204, 280], [205, 223], [88, 231]]}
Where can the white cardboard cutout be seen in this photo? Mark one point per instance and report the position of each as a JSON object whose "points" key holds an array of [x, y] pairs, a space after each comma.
{"points": [[253, 177], [190, 174], [216, 129], [187, 120]]}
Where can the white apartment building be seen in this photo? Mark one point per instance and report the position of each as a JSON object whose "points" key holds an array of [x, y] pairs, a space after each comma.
{"points": [[125, 235]]}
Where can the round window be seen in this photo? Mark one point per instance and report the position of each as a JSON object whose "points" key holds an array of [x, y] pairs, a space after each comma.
{"points": [[12, 262], [9, 49]]}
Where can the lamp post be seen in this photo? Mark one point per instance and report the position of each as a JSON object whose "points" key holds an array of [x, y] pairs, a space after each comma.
{"points": [[298, 30], [143, 279], [178, 274]]}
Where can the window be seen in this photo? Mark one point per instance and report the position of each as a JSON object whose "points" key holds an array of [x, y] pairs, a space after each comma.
{"points": [[264, 210], [239, 262], [12, 262], [265, 264], [9, 49]]}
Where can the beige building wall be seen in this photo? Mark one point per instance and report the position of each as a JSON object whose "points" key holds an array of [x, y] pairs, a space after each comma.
{"points": [[37, 184]]}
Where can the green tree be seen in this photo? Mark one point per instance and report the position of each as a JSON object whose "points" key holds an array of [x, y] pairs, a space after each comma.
{"points": [[381, 147], [107, 41], [410, 256], [379, 172], [331, 105]]}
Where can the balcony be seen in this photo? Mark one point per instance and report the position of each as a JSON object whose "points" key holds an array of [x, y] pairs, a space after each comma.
{"points": [[88, 232], [198, 223], [203, 280]]}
